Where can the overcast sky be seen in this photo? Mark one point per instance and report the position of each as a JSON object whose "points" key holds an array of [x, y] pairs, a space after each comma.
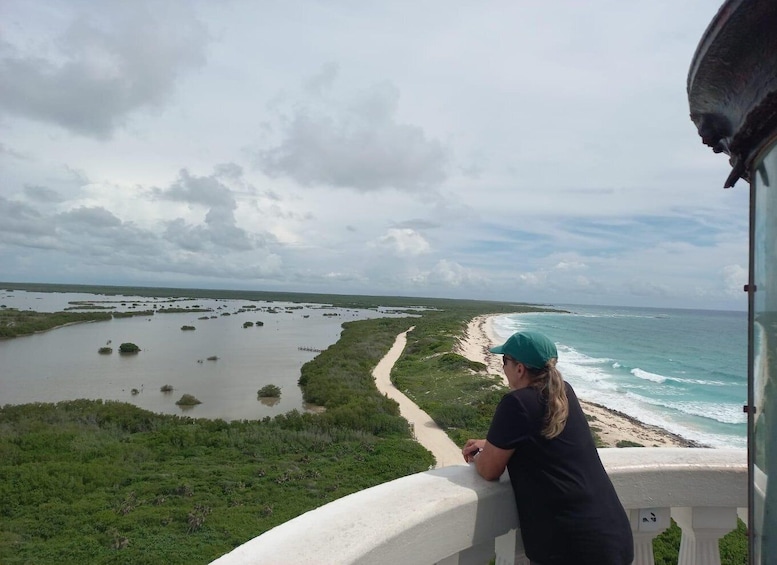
{"points": [[517, 150]]}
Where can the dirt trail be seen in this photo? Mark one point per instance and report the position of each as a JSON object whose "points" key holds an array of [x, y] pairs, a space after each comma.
{"points": [[427, 433]]}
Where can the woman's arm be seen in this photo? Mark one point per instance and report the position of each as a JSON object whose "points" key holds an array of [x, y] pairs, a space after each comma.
{"points": [[490, 461]]}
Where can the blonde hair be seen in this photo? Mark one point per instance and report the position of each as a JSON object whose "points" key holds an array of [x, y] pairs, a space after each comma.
{"points": [[551, 384]]}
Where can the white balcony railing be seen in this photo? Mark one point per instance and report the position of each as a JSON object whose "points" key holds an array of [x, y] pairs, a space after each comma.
{"points": [[452, 516]]}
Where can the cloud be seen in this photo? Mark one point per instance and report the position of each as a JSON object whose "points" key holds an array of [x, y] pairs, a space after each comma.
{"points": [[735, 278], [639, 287], [88, 219], [324, 80], [417, 224], [113, 59], [24, 225], [207, 191], [402, 242], [358, 145], [42, 194], [220, 228], [450, 273], [570, 265]]}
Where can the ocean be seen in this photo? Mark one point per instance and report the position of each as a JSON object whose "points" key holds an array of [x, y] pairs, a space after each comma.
{"points": [[682, 370]]}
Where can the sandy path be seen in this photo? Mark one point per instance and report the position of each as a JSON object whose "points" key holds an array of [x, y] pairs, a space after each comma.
{"points": [[426, 432]]}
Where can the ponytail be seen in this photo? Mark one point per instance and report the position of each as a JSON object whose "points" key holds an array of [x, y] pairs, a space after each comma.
{"points": [[551, 383]]}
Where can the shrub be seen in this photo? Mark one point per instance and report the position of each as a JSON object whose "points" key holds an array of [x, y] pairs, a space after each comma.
{"points": [[454, 361], [628, 443], [248, 324], [456, 416], [188, 328], [128, 348], [105, 350], [166, 388], [269, 391], [188, 400]]}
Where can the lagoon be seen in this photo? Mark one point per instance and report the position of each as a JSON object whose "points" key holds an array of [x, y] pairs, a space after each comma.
{"points": [[63, 364]]}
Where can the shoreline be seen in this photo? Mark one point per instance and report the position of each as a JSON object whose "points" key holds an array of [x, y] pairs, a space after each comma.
{"points": [[610, 425]]}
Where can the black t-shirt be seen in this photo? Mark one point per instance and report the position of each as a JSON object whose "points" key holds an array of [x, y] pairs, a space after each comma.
{"points": [[568, 509]]}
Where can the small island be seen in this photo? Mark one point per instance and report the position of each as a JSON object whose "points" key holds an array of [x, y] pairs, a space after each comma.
{"points": [[128, 348], [188, 400], [269, 391]]}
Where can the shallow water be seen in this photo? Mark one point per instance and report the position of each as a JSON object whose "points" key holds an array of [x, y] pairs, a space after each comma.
{"points": [[63, 364]]}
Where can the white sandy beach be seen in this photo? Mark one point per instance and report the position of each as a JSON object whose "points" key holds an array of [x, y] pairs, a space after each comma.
{"points": [[612, 426]]}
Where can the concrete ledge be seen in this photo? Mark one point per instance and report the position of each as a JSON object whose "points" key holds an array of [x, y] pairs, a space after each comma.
{"points": [[427, 517]]}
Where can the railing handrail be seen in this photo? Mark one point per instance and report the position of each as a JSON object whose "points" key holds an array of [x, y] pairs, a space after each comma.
{"points": [[426, 517]]}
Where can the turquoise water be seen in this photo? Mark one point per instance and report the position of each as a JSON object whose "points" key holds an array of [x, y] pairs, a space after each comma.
{"points": [[683, 370]]}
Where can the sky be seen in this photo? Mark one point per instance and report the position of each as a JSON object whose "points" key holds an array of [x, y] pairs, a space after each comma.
{"points": [[501, 150]]}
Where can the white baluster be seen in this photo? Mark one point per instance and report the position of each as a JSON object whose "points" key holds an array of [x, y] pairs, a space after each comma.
{"points": [[509, 549], [702, 529], [646, 524]]}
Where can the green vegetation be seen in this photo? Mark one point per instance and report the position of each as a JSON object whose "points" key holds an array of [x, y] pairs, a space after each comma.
{"points": [[166, 388], [628, 443], [269, 391], [175, 310], [128, 347], [131, 314], [733, 546], [188, 328], [105, 350], [188, 400], [248, 324], [93, 482], [14, 323]]}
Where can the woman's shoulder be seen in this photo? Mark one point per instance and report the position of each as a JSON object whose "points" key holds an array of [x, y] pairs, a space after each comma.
{"points": [[526, 396]]}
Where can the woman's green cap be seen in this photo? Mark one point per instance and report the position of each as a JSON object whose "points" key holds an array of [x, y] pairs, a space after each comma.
{"points": [[533, 349]]}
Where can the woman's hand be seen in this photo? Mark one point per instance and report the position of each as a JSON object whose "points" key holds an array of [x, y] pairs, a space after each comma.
{"points": [[490, 461], [472, 448]]}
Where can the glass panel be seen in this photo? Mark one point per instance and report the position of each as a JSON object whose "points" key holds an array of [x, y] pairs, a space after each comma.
{"points": [[764, 344]]}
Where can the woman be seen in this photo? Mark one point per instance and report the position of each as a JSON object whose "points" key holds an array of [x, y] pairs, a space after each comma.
{"points": [[568, 509]]}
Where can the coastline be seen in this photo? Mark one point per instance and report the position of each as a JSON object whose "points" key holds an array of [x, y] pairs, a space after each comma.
{"points": [[610, 425]]}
